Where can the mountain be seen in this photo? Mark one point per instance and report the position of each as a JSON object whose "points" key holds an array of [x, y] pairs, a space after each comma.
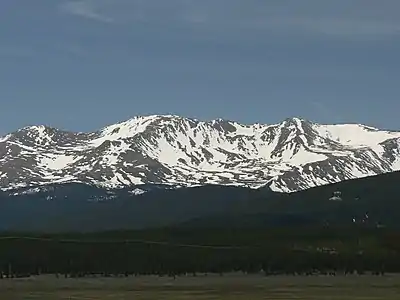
{"points": [[368, 201], [293, 155], [80, 207]]}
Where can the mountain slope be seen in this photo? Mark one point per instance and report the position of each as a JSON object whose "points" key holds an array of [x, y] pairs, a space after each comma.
{"points": [[290, 156], [366, 202], [78, 207]]}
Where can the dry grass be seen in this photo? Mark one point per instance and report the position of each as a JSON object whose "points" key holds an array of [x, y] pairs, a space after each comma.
{"points": [[213, 287]]}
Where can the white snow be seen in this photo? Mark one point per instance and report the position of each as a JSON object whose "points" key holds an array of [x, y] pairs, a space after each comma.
{"points": [[396, 164], [57, 162], [244, 130], [137, 191], [355, 135], [304, 157], [242, 157], [27, 192], [123, 130], [41, 136], [5, 138]]}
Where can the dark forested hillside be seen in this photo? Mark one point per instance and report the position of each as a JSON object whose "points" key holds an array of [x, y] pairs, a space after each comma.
{"points": [[207, 230], [76, 207], [369, 202], [372, 201]]}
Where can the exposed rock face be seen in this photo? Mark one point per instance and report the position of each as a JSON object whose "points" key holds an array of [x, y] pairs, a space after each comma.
{"points": [[293, 155]]}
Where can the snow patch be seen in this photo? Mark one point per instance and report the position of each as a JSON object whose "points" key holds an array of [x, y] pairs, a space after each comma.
{"points": [[137, 192], [186, 152], [57, 161], [5, 138], [354, 134], [396, 164]]}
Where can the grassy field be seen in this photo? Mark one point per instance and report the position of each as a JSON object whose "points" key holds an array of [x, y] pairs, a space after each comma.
{"points": [[212, 287]]}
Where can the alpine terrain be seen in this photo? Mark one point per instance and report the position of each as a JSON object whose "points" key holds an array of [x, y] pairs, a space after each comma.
{"points": [[293, 155]]}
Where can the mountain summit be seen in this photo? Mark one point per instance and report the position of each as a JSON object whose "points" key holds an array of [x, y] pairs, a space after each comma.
{"points": [[293, 155]]}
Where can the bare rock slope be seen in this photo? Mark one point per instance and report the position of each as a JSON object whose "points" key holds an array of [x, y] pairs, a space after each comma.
{"points": [[293, 155]]}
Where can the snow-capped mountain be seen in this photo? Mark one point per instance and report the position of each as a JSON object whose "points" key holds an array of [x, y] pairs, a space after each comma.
{"points": [[293, 155]]}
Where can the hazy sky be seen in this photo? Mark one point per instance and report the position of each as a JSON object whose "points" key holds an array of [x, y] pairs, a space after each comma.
{"points": [[80, 65]]}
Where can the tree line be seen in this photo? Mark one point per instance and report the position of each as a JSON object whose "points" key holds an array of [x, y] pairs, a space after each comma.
{"points": [[195, 252]]}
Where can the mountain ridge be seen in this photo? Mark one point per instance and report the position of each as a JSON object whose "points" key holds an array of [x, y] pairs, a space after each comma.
{"points": [[289, 156]]}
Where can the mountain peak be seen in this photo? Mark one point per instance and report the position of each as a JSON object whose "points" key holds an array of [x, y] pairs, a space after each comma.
{"points": [[296, 118], [167, 149]]}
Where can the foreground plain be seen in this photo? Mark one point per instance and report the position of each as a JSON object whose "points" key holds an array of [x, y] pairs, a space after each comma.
{"points": [[233, 286]]}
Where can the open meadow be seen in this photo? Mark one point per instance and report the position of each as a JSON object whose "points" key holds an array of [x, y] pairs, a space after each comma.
{"points": [[233, 286]]}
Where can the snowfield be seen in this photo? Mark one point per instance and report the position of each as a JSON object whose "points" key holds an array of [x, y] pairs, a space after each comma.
{"points": [[289, 156]]}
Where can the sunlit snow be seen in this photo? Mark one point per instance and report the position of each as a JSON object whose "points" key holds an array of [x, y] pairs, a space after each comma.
{"points": [[186, 152], [355, 135], [57, 161], [137, 191]]}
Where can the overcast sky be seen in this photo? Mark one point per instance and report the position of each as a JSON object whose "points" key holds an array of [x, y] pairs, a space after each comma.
{"points": [[80, 65]]}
